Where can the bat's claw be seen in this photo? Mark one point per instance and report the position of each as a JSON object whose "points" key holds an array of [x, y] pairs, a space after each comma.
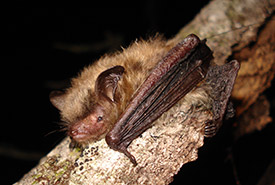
{"points": [[129, 155], [114, 143]]}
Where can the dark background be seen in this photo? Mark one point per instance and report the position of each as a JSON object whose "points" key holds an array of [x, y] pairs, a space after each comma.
{"points": [[36, 62]]}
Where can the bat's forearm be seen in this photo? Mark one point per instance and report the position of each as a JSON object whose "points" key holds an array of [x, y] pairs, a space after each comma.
{"points": [[177, 74]]}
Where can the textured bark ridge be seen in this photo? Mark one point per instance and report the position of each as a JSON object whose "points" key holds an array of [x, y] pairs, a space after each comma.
{"points": [[163, 149], [253, 46]]}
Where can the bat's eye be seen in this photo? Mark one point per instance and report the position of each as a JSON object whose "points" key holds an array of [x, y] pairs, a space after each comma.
{"points": [[99, 118]]}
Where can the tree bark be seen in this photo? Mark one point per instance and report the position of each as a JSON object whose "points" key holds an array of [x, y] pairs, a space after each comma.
{"points": [[163, 149]]}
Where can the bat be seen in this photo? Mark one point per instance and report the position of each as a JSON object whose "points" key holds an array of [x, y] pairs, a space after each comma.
{"points": [[121, 95], [176, 74]]}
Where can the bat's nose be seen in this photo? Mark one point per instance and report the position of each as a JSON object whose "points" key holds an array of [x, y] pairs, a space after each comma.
{"points": [[73, 133], [78, 132]]}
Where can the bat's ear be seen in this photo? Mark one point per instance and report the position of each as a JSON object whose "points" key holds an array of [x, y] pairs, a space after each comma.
{"points": [[106, 83], [57, 98]]}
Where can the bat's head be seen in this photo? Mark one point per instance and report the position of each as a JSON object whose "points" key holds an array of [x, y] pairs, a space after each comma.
{"points": [[91, 120], [91, 127]]}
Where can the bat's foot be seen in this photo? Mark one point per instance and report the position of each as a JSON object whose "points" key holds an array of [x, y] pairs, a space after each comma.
{"points": [[210, 128], [73, 144]]}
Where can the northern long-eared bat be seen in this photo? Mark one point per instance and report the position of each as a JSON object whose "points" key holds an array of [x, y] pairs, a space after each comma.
{"points": [[123, 94]]}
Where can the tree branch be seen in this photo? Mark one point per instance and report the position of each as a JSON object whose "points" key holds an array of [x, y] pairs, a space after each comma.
{"points": [[164, 148]]}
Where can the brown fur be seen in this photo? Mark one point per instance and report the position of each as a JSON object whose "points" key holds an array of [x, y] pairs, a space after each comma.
{"points": [[138, 59]]}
